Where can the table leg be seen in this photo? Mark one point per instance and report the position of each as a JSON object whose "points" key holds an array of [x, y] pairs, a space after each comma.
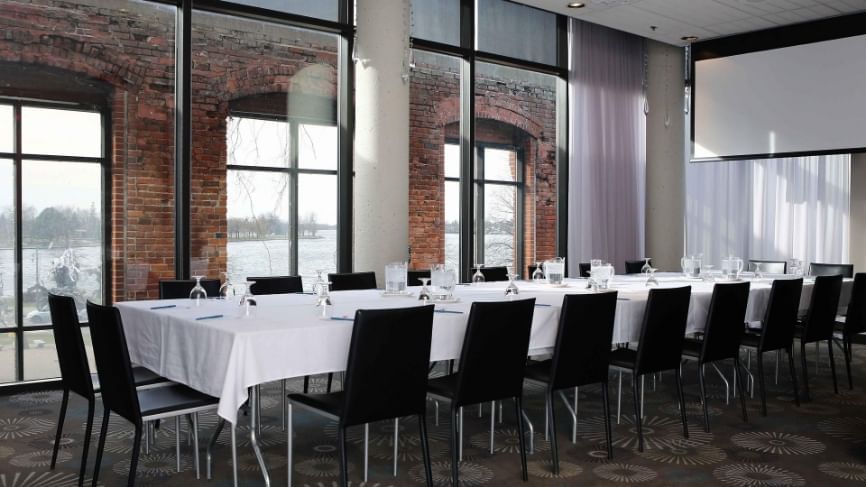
{"points": [[254, 433]]}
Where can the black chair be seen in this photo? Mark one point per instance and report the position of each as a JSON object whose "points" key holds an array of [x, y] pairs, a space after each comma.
{"points": [[75, 370], [352, 281], [819, 323], [721, 337], [275, 285], [493, 274], [584, 268], [176, 289], [660, 347], [492, 368], [855, 321], [413, 278], [581, 356], [376, 389], [634, 266], [819, 269], [777, 331], [120, 396], [769, 266]]}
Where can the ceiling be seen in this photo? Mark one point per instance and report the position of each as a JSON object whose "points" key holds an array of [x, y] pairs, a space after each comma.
{"points": [[706, 19]]}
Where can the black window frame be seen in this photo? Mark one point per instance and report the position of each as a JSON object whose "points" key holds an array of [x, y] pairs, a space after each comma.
{"points": [[18, 158]]}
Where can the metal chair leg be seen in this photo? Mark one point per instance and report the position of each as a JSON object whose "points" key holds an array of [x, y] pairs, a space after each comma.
{"points": [[607, 432], [492, 423], [701, 380], [531, 431], [289, 421], [738, 383], [759, 358], [679, 382], [425, 449], [91, 406], [396, 442], [518, 404], [637, 414], [832, 365], [790, 352], [552, 427], [366, 450], [195, 446], [100, 447], [344, 457], [133, 462], [177, 441], [619, 398], [806, 395], [63, 405]]}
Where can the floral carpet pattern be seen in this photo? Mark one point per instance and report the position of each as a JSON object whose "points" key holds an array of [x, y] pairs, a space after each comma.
{"points": [[822, 443]]}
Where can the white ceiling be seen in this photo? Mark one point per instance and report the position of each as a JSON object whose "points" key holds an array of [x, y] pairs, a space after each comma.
{"points": [[706, 19]]}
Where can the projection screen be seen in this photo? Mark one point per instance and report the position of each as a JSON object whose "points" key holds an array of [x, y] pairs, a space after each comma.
{"points": [[803, 99]]}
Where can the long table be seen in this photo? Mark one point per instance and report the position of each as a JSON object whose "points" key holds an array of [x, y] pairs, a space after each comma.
{"points": [[287, 336]]}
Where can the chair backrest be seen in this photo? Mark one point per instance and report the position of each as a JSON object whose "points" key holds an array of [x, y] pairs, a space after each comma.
{"points": [[74, 369], [819, 269], [583, 341], [584, 268], [176, 289], [389, 358], [275, 285], [663, 330], [769, 266], [413, 278], [855, 317], [112, 362], [821, 318], [783, 305], [352, 280], [634, 266], [725, 321], [493, 358], [493, 274]]}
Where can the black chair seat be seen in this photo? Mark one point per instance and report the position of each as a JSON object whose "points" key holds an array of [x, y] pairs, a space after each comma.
{"points": [[799, 330], [331, 403], [539, 371], [692, 347], [174, 398], [623, 357], [141, 376], [751, 340], [443, 386]]}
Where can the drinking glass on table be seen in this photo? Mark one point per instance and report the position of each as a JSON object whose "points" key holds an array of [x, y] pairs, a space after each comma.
{"points": [[227, 290], [395, 278], [554, 270], [248, 302], [608, 274], [478, 276], [651, 278], [424, 293], [198, 294], [645, 268], [538, 273], [511, 288]]}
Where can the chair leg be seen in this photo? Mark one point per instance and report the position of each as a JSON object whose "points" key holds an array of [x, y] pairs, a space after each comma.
{"points": [[606, 403], [739, 385], [289, 442], [63, 404], [283, 401], [455, 458], [619, 397], [793, 374], [492, 423], [701, 381], [396, 442], [195, 446], [344, 457], [91, 406], [100, 447], [759, 359], [554, 448], [133, 462], [679, 382], [518, 404], [637, 417], [425, 449], [177, 442], [832, 365], [806, 395], [306, 383], [846, 349], [330, 380]]}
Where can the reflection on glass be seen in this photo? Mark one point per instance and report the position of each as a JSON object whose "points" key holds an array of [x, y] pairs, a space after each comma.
{"points": [[7, 248], [515, 30], [7, 135], [8, 357], [62, 235], [452, 160], [51, 131], [317, 225], [452, 224], [258, 224], [320, 9], [40, 355], [437, 20], [257, 142], [317, 146], [499, 224], [500, 164]]}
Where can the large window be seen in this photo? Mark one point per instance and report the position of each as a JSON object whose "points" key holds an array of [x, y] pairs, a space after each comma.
{"points": [[51, 228]]}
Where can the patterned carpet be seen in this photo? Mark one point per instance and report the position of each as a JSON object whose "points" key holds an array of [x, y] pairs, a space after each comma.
{"points": [[822, 443]]}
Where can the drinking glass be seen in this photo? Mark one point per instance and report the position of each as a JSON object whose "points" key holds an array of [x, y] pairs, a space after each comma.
{"points": [[248, 302], [395, 278], [437, 280], [478, 276], [758, 272], [424, 293], [449, 281], [227, 290], [538, 273], [651, 277], [511, 288], [645, 269], [554, 269], [608, 275], [198, 294]]}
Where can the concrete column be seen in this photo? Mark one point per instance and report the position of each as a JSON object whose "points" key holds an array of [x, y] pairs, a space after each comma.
{"points": [[665, 147], [381, 232], [858, 212]]}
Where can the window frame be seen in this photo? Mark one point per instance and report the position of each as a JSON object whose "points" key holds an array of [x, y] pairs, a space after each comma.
{"points": [[18, 157]]}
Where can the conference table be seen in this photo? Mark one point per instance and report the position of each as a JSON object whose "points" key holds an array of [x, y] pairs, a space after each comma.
{"points": [[218, 349]]}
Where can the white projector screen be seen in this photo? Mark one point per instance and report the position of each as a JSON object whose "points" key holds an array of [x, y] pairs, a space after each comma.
{"points": [[808, 98]]}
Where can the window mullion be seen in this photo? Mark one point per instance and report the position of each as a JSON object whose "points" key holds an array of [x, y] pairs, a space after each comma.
{"points": [[293, 198], [17, 162]]}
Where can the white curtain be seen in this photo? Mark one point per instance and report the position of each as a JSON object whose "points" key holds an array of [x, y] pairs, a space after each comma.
{"points": [[776, 209], [607, 164]]}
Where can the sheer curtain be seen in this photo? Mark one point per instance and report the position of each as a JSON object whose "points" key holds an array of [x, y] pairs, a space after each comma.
{"points": [[775, 209], [607, 164]]}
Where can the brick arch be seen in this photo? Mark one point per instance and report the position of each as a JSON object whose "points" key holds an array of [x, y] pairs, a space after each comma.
{"points": [[266, 78], [500, 110]]}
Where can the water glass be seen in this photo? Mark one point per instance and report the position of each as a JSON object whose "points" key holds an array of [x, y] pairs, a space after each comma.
{"points": [[478, 276], [248, 302], [395, 278], [227, 290], [198, 294], [538, 273], [554, 270]]}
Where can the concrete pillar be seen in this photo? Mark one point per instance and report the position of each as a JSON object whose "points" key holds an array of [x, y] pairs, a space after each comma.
{"points": [[858, 212], [381, 200], [666, 156]]}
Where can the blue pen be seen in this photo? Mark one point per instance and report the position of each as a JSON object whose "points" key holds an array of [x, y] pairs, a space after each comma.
{"points": [[164, 306], [543, 305], [342, 318], [448, 311], [211, 317]]}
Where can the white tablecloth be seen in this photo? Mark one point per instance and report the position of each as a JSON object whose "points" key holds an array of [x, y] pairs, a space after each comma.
{"points": [[287, 337]]}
